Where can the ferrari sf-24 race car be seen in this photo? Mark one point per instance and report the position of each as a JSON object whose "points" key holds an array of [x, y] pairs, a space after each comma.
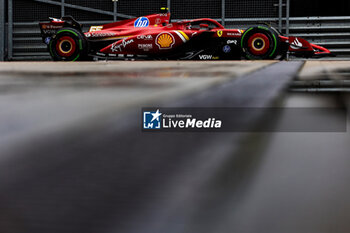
{"points": [[156, 37]]}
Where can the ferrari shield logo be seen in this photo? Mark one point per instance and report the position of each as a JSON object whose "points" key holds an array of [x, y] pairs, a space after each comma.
{"points": [[220, 33]]}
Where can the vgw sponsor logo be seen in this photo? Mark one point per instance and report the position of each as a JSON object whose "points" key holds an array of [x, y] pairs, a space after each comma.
{"points": [[141, 22], [152, 120], [205, 57], [208, 57]]}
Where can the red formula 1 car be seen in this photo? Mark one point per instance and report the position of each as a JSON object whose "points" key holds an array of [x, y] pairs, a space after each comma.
{"points": [[155, 37]]}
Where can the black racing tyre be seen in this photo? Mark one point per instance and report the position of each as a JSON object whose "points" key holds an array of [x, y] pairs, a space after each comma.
{"points": [[68, 44], [260, 43]]}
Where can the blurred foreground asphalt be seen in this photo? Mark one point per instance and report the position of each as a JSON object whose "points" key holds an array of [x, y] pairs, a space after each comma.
{"points": [[73, 158]]}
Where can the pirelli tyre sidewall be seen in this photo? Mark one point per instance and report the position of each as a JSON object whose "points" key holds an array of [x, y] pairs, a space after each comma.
{"points": [[260, 43], [68, 44]]}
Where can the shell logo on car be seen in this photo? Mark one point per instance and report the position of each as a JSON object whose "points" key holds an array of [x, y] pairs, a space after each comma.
{"points": [[165, 40]]}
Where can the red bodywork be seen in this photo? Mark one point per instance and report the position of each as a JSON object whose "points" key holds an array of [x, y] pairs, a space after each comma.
{"points": [[154, 35], [298, 44], [158, 37]]}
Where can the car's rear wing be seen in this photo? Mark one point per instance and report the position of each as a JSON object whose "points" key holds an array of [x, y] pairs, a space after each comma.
{"points": [[49, 29]]}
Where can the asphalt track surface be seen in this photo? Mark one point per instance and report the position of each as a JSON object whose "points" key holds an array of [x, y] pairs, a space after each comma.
{"points": [[73, 158]]}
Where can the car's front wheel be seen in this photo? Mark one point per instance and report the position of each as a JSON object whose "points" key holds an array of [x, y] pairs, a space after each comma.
{"points": [[68, 44], [260, 43]]}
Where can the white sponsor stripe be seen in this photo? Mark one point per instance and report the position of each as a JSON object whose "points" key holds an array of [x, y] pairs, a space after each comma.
{"points": [[181, 36]]}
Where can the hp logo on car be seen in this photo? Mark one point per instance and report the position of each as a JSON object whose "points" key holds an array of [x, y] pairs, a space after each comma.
{"points": [[141, 22]]}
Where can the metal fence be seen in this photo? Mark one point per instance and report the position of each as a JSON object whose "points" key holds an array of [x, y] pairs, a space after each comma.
{"points": [[19, 18]]}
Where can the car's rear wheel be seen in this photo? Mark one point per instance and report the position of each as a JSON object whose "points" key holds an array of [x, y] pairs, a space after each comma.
{"points": [[260, 43], [68, 44]]}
